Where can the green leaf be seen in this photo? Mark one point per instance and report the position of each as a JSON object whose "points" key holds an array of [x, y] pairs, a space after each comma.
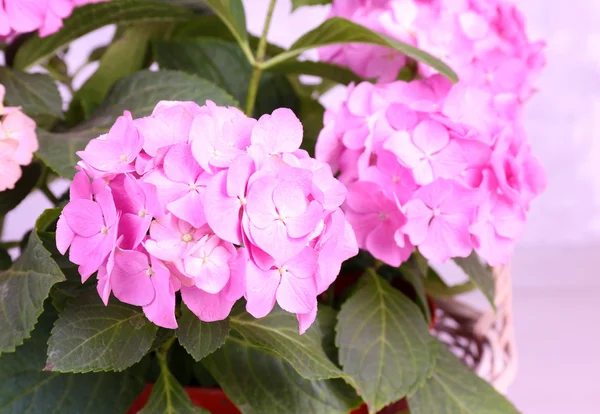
{"points": [[23, 289], [323, 70], [88, 18], [57, 150], [278, 332], [26, 388], [124, 56], [311, 115], [301, 3], [200, 338], [384, 343], [138, 93], [480, 274], [212, 26], [338, 30], [232, 13], [224, 64], [169, 397], [5, 259], [216, 60], [437, 288], [89, 336], [415, 271], [9, 199], [37, 94], [259, 382], [454, 389]]}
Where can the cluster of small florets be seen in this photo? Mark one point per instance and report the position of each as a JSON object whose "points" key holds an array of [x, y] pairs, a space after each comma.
{"points": [[419, 174], [211, 203]]}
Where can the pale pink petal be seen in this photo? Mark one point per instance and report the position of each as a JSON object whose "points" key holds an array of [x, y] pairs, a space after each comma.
{"points": [[207, 307], [302, 225], [279, 132], [448, 236], [260, 208], [305, 320], [84, 217], [161, 311], [430, 136], [223, 213], [189, 208], [64, 235], [261, 287], [418, 216], [180, 165], [296, 295], [289, 199], [402, 146], [131, 278]]}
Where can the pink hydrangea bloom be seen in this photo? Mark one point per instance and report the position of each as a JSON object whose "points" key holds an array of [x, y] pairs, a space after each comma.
{"points": [[18, 142], [23, 16], [211, 203], [484, 41], [423, 173]]}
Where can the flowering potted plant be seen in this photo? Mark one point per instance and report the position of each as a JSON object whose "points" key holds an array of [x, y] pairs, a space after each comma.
{"points": [[210, 236]]}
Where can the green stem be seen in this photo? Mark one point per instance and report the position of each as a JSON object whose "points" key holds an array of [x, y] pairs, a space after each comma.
{"points": [[10, 244], [257, 65], [42, 184], [161, 353]]}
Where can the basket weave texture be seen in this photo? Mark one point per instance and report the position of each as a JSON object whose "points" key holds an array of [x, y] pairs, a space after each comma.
{"points": [[483, 340]]}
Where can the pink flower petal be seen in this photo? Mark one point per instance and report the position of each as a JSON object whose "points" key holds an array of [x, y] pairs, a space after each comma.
{"points": [[261, 287], [131, 278]]}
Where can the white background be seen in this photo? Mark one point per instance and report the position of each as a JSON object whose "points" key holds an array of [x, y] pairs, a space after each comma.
{"points": [[556, 269]]}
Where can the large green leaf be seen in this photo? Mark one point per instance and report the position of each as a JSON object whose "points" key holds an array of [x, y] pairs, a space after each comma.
{"points": [[415, 273], [454, 389], [23, 289], [57, 150], [301, 3], [384, 343], [124, 56], [37, 94], [480, 274], [94, 16], [259, 382], [169, 397], [9, 199], [324, 70], [26, 388], [89, 336], [232, 13], [216, 60], [278, 332], [338, 30], [200, 338], [137, 93], [224, 64]]}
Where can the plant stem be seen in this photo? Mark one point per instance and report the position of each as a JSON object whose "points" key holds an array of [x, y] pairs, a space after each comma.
{"points": [[10, 244], [42, 184], [257, 65], [161, 353]]}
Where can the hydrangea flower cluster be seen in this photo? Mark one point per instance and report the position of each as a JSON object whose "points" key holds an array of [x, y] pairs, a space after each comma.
{"points": [[211, 203], [423, 170], [24, 16], [18, 142], [484, 41]]}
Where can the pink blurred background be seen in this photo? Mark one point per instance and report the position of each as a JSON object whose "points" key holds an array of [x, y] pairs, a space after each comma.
{"points": [[557, 264]]}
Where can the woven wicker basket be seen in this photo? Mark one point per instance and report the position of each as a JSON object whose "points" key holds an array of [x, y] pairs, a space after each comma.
{"points": [[485, 341]]}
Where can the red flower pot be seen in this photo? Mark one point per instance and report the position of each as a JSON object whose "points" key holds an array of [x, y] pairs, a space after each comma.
{"points": [[211, 399]]}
